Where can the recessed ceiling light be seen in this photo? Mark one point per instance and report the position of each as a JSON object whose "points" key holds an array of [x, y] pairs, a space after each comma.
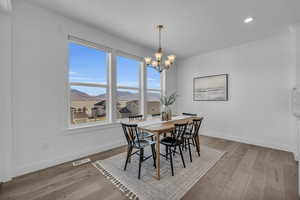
{"points": [[248, 20]]}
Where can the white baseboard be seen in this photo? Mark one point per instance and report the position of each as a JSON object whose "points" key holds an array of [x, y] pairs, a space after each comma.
{"points": [[249, 141], [296, 156], [66, 158], [5, 179]]}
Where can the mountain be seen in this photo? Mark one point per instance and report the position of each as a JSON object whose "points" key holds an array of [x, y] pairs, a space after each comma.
{"points": [[77, 95]]}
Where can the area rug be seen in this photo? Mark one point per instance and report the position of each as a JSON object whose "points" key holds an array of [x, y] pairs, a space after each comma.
{"points": [[168, 187]]}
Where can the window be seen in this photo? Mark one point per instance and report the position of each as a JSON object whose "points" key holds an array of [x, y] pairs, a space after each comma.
{"points": [[128, 87], [88, 84], [106, 85], [153, 91]]}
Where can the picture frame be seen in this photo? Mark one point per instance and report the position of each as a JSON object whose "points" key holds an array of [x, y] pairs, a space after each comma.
{"points": [[210, 88]]}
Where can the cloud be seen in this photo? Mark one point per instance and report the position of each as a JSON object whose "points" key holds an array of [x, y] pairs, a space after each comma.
{"points": [[80, 78], [72, 73]]}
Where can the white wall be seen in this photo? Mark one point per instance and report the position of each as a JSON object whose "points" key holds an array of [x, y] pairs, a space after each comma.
{"points": [[5, 5], [260, 81], [296, 46], [40, 58], [5, 95]]}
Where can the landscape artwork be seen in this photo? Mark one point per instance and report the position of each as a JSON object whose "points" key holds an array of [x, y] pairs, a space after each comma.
{"points": [[211, 88]]}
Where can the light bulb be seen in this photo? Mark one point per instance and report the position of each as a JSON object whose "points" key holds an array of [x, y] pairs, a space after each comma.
{"points": [[167, 63], [248, 20], [147, 60], [154, 63], [171, 58], [158, 56]]}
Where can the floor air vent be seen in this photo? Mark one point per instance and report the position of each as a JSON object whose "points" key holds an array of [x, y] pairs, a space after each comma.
{"points": [[81, 162]]}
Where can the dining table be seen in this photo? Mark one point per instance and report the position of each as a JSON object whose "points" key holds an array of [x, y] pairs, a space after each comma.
{"points": [[158, 127]]}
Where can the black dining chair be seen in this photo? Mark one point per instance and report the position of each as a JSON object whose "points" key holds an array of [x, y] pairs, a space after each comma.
{"points": [[133, 118], [132, 132], [190, 136], [172, 142], [189, 114]]}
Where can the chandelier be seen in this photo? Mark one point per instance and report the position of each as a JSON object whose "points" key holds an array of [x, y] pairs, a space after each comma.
{"points": [[159, 62]]}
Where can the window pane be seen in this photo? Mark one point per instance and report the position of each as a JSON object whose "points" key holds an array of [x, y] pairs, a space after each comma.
{"points": [[86, 64], [128, 103], [153, 78], [128, 71], [153, 102], [88, 104]]}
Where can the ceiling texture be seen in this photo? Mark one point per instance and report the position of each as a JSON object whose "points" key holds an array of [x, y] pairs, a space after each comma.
{"points": [[192, 26]]}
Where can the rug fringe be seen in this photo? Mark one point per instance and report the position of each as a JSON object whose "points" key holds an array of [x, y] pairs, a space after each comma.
{"points": [[131, 195]]}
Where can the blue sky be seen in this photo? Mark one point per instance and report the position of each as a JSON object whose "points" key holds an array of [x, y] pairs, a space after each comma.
{"points": [[88, 65]]}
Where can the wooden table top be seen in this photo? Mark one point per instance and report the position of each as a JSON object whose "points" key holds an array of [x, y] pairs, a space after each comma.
{"points": [[160, 127]]}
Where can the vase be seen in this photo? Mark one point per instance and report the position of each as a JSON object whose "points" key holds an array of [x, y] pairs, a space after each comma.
{"points": [[166, 115]]}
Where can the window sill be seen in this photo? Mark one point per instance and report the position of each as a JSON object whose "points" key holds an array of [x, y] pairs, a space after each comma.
{"points": [[75, 129]]}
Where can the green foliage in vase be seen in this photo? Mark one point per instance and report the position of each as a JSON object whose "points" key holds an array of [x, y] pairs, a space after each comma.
{"points": [[168, 100]]}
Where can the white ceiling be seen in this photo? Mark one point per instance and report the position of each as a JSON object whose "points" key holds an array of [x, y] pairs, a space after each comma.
{"points": [[192, 26]]}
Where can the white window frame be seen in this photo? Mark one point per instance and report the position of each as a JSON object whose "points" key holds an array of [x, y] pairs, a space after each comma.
{"points": [[108, 51], [111, 86], [139, 89], [162, 77]]}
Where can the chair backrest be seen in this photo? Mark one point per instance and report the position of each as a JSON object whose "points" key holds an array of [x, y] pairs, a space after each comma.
{"points": [[179, 131], [131, 132], [189, 114], [156, 115], [135, 117], [196, 126]]}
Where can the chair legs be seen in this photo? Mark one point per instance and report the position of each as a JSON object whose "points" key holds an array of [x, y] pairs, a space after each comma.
{"points": [[189, 146], [181, 156], [128, 157], [140, 163], [153, 155], [171, 161], [197, 146], [167, 152], [170, 152]]}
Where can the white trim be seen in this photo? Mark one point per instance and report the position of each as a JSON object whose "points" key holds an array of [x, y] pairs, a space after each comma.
{"points": [[154, 90], [112, 96], [84, 128], [43, 164], [217, 134], [128, 55], [111, 86], [140, 88], [7, 135], [143, 90], [108, 52], [88, 84], [87, 43], [128, 88]]}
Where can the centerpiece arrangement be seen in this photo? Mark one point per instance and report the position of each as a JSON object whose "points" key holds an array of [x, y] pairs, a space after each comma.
{"points": [[167, 101]]}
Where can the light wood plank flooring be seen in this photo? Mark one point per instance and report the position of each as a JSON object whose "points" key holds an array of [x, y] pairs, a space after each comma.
{"points": [[246, 172]]}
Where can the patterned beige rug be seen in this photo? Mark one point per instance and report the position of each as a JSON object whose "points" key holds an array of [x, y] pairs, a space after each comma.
{"points": [[148, 188]]}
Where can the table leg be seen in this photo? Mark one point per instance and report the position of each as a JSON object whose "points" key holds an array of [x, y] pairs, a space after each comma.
{"points": [[158, 156]]}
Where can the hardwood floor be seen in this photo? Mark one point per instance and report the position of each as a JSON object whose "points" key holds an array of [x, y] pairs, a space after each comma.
{"points": [[246, 172]]}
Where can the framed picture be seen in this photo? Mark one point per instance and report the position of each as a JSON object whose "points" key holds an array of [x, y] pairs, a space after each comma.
{"points": [[211, 88]]}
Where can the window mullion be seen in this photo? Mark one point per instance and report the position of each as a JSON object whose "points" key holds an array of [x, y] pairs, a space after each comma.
{"points": [[112, 93], [143, 90]]}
